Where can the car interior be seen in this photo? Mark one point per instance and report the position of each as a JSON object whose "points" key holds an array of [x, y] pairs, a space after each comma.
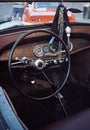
{"points": [[45, 75]]}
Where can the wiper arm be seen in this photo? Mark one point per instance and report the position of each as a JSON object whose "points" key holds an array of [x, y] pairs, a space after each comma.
{"points": [[5, 20], [13, 23]]}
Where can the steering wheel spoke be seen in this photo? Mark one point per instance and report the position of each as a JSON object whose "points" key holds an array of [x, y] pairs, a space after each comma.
{"points": [[22, 62], [50, 82]]}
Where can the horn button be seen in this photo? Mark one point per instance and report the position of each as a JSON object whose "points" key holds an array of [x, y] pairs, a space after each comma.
{"points": [[39, 64]]}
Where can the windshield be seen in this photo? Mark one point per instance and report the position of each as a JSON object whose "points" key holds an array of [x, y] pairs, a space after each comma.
{"points": [[15, 14]]}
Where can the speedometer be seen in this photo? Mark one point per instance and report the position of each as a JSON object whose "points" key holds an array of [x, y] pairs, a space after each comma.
{"points": [[38, 51]]}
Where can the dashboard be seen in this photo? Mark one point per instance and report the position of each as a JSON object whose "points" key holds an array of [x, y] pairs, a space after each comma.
{"points": [[34, 47], [35, 50]]}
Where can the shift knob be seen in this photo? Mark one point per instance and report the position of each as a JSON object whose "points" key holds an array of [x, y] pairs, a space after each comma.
{"points": [[68, 30]]}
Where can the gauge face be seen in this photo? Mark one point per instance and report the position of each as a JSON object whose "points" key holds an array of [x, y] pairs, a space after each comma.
{"points": [[38, 50]]}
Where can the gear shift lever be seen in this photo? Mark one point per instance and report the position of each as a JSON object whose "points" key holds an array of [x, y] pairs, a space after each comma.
{"points": [[68, 31]]}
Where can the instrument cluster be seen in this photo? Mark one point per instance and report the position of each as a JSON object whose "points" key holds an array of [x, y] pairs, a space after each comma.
{"points": [[40, 50], [46, 52]]}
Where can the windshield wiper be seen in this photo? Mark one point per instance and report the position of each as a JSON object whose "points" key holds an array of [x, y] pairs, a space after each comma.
{"points": [[12, 23], [5, 20]]}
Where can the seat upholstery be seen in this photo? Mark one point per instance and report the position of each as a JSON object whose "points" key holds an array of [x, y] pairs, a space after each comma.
{"points": [[80, 121]]}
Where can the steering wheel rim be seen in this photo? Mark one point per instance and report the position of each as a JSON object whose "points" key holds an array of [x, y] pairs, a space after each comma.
{"points": [[10, 59]]}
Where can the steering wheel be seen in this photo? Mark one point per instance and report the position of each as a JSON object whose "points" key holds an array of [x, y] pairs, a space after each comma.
{"points": [[47, 73]]}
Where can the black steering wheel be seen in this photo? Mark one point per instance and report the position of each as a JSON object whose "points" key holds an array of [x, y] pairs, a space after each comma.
{"points": [[47, 73]]}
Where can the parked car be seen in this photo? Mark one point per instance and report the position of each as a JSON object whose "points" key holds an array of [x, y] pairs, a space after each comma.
{"points": [[45, 73], [43, 12]]}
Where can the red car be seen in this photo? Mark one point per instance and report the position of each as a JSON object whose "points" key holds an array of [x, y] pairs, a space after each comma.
{"points": [[43, 12]]}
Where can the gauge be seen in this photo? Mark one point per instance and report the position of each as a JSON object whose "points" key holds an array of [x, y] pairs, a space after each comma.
{"points": [[38, 51]]}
